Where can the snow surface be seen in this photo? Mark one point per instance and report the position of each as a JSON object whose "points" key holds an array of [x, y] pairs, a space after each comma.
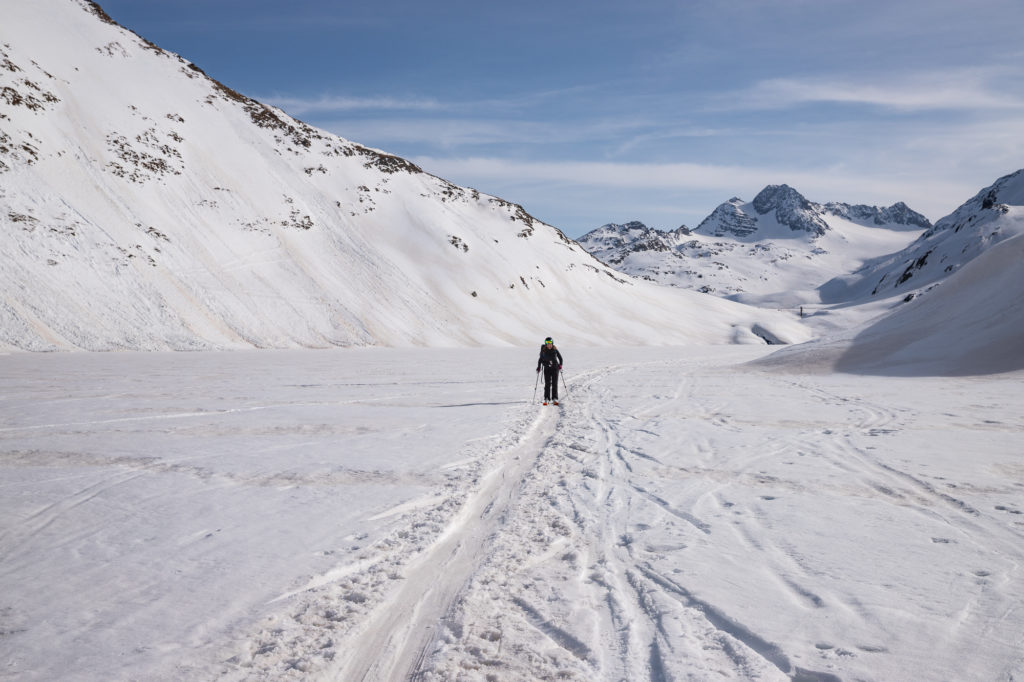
{"points": [[386, 513]]}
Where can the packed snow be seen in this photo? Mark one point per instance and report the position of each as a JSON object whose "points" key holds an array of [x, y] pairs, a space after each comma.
{"points": [[388, 514]]}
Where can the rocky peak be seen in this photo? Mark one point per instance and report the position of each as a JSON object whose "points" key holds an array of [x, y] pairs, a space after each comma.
{"points": [[791, 209], [729, 219], [899, 214], [989, 202], [633, 227], [611, 243]]}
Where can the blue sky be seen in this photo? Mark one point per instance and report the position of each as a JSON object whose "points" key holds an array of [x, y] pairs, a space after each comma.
{"points": [[607, 111]]}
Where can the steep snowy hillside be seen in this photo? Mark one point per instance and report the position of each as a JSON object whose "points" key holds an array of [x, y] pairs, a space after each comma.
{"points": [[970, 324], [959, 308], [991, 216], [773, 251], [145, 206]]}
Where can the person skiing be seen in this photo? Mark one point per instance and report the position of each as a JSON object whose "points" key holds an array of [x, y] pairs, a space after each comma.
{"points": [[551, 360]]}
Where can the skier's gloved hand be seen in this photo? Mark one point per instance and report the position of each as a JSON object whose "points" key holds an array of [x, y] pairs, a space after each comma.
{"points": [[559, 367], [538, 370]]}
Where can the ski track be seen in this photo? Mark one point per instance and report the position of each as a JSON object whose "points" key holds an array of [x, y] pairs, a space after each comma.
{"points": [[530, 564], [634, 616], [620, 617]]}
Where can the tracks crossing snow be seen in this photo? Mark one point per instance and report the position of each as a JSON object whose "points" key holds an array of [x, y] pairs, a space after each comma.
{"points": [[677, 518], [645, 541]]}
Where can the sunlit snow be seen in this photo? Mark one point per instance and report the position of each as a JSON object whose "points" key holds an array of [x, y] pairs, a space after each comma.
{"points": [[377, 494], [371, 514]]}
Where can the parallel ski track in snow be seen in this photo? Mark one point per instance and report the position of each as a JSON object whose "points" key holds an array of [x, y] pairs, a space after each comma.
{"points": [[396, 638], [569, 589], [613, 616], [566, 554]]}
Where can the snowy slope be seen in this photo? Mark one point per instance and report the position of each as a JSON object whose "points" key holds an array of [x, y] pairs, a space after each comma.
{"points": [[991, 216], [773, 251], [145, 206], [956, 297], [971, 323]]}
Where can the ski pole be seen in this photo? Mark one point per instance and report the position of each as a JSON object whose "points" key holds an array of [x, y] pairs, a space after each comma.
{"points": [[562, 374], [535, 383]]}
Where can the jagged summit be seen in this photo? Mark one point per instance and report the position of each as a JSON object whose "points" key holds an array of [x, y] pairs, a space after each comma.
{"points": [[612, 242], [897, 216], [780, 211], [777, 211], [790, 208], [729, 218]]}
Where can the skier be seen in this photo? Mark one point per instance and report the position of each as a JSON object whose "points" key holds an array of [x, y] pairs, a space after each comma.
{"points": [[551, 360]]}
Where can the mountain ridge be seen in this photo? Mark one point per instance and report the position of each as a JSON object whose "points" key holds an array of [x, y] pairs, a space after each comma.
{"points": [[986, 219], [146, 206], [780, 241]]}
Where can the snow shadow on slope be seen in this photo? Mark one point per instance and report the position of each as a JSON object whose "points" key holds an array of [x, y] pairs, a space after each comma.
{"points": [[972, 323]]}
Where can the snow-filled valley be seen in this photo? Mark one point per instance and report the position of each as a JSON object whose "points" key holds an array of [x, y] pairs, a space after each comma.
{"points": [[377, 494], [388, 514]]}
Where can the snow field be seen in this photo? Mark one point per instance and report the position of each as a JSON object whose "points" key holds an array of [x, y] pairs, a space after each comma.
{"points": [[412, 514], [699, 532]]}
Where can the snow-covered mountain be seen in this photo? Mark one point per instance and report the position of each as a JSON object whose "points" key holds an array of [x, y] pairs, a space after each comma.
{"points": [[993, 215], [613, 243], [775, 249], [144, 205], [779, 211], [952, 303]]}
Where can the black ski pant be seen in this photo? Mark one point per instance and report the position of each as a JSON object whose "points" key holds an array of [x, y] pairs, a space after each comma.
{"points": [[551, 383]]}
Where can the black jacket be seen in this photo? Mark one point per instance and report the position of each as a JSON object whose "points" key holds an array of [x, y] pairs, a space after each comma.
{"points": [[549, 357]]}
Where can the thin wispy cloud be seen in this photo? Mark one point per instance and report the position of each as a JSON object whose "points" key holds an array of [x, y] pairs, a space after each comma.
{"points": [[453, 132], [664, 106], [644, 175], [444, 132], [935, 197], [964, 89], [299, 106], [518, 102]]}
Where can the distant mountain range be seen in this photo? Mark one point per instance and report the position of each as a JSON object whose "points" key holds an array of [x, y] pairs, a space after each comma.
{"points": [[779, 212], [779, 243], [144, 205]]}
